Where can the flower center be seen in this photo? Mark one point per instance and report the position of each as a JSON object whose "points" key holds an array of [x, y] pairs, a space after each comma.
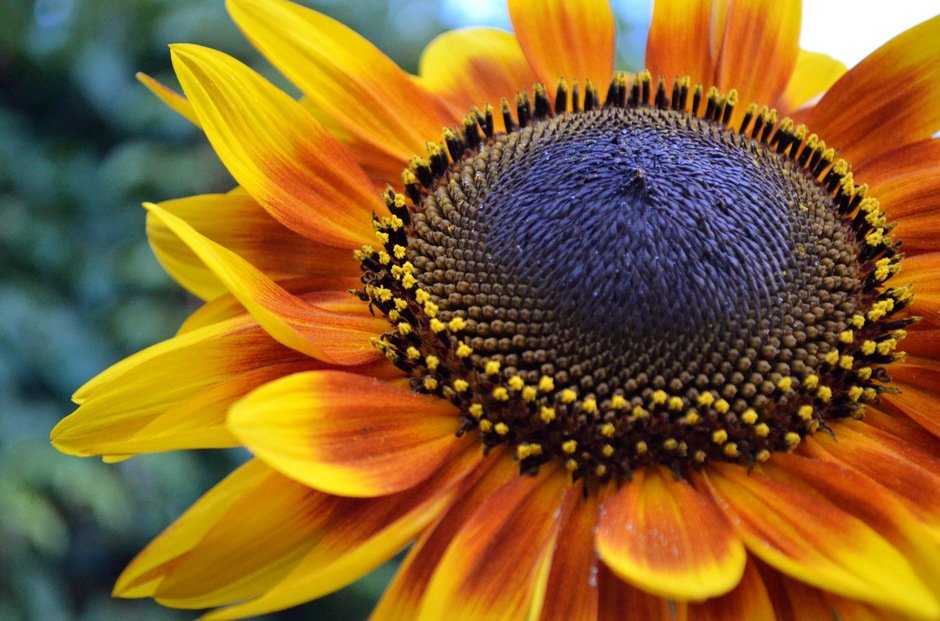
{"points": [[630, 284]]}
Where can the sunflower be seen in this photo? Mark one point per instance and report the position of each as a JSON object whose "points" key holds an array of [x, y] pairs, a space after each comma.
{"points": [[608, 346]]}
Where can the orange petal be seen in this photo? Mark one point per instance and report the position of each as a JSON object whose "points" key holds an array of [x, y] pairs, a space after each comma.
{"points": [[759, 50], [906, 181], [317, 332], [923, 271], [616, 597], [812, 539], [492, 563], [402, 598], [679, 42], [812, 76], [344, 433], [887, 100], [667, 538], [170, 97], [748, 600], [571, 39], [571, 590], [237, 222], [474, 66], [793, 600], [175, 394], [919, 395], [350, 85], [276, 150]]}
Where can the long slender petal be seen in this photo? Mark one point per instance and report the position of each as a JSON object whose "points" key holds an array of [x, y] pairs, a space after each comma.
{"points": [[759, 50], [355, 90], [923, 271], [679, 41], [670, 539], [346, 434], [617, 597], [237, 222], [887, 100], [129, 407], [276, 150], [491, 564], [804, 535], [170, 97], [402, 598], [748, 600], [325, 335], [571, 39]]}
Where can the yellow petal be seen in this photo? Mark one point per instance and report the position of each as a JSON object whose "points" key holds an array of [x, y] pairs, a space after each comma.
{"points": [[276, 150], [571, 39], [669, 539], [170, 97], [474, 66], [325, 335], [237, 222], [356, 91], [813, 74], [346, 434]]}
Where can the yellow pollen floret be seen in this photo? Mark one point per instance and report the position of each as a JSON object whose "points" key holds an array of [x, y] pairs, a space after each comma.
{"points": [[731, 449], [824, 393], [516, 383], [858, 320], [492, 367], [847, 336], [811, 381], [501, 428], [719, 436], [404, 328], [384, 258], [659, 397], [432, 362], [607, 430], [568, 396], [761, 430], [476, 410], [422, 296], [692, 417], [869, 394], [722, 406], [762, 455], [875, 237], [398, 251], [408, 281], [607, 450], [887, 346], [589, 405], [430, 383], [437, 326], [600, 470], [641, 447], [486, 426], [464, 350], [569, 446], [529, 393], [546, 383], [699, 456], [671, 444], [400, 304], [500, 393], [846, 361], [805, 412], [855, 393], [394, 315], [413, 353], [706, 399], [832, 357], [749, 417], [618, 402], [571, 465], [791, 439], [880, 308], [430, 309], [528, 450], [547, 414], [864, 373], [675, 403], [461, 385], [785, 383], [456, 324], [869, 347]]}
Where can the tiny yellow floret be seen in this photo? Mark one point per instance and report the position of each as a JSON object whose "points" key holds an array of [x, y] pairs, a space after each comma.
{"points": [[670, 444], [461, 385], [501, 428], [761, 430], [719, 436], [516, 383], [432, 361], [641, 447], [456, 324], [589, 405], [547, 414], [569, 446], [749, 417], [568, 396], [618, 402], [500, 393], [464, 350], [659, 397], [546, 383], [721, 406], [824, 393], [791, 439], [805, 412], [706, 399], [476, 410], [608, 430], [675, 403]]}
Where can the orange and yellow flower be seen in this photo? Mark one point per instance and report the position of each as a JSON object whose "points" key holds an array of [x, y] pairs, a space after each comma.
{"points": [[352, 462]]}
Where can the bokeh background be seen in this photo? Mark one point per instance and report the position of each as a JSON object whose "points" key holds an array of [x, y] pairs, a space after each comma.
{"points": [[81, 146]]}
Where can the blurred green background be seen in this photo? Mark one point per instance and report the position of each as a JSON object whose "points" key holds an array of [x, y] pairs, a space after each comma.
{"points": [[81, 146]]}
